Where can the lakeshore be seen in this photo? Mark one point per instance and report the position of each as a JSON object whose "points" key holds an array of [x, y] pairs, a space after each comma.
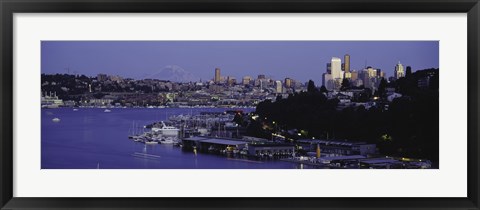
{"points": [[90, 138]]}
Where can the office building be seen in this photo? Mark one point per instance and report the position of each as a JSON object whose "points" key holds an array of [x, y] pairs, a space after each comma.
{"points": [[246, 80], [288, 82], [329, 68], [347, 63], [399, 73], [217, 75], [278, 86], [336, 66]]}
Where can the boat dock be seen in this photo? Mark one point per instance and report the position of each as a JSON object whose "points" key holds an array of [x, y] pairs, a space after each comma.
{"points": [[211, 143]]}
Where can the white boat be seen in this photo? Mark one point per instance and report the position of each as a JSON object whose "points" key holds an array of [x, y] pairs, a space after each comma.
{"points": [[75, 110], [151, 142], [167, 140], [56, 119], [107, 110], [166, 130]]}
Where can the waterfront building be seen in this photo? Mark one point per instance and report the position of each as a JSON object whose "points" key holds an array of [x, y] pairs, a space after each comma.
{"points": [[270, 149], [213, 144], [49, 101], [399, 73], [100, 102], [217, 75], [69, 103], [338, 148], [349, 161]]}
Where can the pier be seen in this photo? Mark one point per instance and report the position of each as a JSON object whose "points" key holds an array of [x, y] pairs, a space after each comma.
{"points": [[215, 144]]}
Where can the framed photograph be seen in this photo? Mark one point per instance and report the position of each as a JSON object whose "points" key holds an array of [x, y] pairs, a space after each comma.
{"points": [[239, 105]]}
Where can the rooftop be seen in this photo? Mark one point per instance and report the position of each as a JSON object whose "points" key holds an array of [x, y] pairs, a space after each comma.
{"points": [[195, 138], [270, 145], [379, 160], [216, 140], [223, 141], [332, 142], [350, 157]]}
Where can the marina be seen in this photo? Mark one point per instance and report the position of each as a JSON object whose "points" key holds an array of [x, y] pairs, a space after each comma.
{"points": [[90, 137], [184, 137]]}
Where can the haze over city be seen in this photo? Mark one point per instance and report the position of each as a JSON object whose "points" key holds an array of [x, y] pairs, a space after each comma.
{"points": [[300, 60]]}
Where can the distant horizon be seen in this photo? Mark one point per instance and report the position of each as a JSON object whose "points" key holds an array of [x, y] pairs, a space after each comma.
{"points": [[238, 79], [298, 60]]}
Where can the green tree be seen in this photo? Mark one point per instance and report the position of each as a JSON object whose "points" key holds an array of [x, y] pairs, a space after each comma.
{"points": [[323, 89], [408, 73], [311, 86], [345, 84], [381, 87]]}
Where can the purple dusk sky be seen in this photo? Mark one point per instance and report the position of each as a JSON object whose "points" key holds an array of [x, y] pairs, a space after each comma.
{"points": [[299, 60]]}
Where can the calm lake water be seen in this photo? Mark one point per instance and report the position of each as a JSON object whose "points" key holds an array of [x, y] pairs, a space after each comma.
{"points": [[89, 137]]}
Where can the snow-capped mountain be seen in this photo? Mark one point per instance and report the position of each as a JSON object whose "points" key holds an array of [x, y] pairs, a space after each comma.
{"points": [[174, 73]]}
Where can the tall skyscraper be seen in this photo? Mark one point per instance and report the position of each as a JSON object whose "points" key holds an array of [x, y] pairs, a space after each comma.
{"points": [[371, 72], [399, 73], [217, 75], [288, 82], [278, 86], [336, 66], [347, 63]]}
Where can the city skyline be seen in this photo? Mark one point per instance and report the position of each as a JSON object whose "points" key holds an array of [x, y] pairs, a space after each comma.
{"points": [[142, 59]]}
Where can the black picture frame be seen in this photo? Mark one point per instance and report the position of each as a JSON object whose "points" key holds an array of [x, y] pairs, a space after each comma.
{"points": [[9, 7]]}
